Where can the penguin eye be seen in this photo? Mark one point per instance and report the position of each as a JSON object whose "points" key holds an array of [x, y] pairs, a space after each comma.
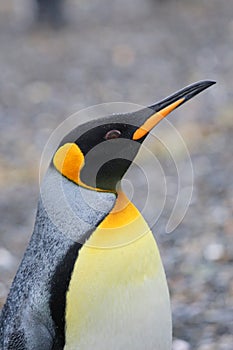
{"points": [[112, 134]]}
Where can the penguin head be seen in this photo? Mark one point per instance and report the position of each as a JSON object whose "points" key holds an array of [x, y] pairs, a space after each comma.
{"points": [[98, 153]]}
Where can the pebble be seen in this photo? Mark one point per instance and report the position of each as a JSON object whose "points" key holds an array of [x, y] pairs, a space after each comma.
{"points": [[3, 291], [6, 258], [179, 344], [3, 294], [214, 252]]}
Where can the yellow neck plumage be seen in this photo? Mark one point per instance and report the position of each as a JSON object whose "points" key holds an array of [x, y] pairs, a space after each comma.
{"points": [[123, 225], [117, 282]]}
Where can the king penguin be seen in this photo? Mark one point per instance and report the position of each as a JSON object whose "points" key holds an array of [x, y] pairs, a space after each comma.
{"points": [[92, 276]]}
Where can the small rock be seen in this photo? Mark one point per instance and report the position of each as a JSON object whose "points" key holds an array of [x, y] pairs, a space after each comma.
{"points": [[3, 290], [6, 258], [214, 252], [3, 294], [179, 344]]}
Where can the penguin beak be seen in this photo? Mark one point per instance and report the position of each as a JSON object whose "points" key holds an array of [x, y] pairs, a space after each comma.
{"points": [[166, 106]]}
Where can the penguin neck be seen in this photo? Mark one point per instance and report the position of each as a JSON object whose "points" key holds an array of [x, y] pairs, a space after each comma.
{"points": [[74, 210], [123, 225], [117, 281]]}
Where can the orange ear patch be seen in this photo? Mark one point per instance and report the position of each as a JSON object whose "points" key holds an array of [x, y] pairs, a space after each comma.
{"points": [[69, 160]]}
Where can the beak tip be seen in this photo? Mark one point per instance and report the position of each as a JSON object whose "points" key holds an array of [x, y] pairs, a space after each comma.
{"points": [[196, 88], [208, 82], [163, 108], [205, 83], [186, 93]]}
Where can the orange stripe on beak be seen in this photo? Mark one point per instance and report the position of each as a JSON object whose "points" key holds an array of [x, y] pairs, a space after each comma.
{"points": [[155, 119]]}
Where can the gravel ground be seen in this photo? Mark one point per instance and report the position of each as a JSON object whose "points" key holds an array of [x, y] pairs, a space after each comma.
{"points": [[134, 51]]}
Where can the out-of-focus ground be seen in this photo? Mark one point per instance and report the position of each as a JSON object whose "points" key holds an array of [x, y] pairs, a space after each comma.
{"points": [[132, 51]]}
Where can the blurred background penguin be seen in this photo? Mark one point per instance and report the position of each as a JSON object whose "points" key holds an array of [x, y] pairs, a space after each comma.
{"points": [[50, 12]]}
